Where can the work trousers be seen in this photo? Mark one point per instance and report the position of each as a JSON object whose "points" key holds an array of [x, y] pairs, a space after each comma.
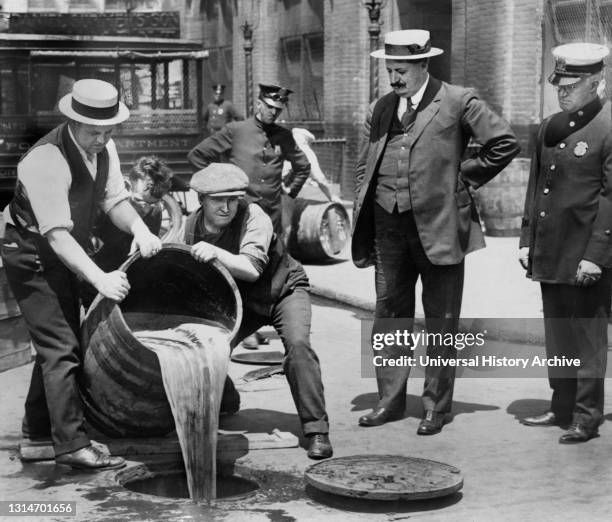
{"points": [[576, 326], [291, 317], [47, 294], [399, 261]]}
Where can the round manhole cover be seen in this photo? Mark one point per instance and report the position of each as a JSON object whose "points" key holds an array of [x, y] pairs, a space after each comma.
{"points": [[385, 477]]}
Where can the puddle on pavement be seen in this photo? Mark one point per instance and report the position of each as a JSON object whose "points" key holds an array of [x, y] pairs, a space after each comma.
{"points": [[162, 489], [242, 484]]}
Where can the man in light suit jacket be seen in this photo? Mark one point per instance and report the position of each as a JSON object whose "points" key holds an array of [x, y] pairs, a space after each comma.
{"points": [[414, 214]]}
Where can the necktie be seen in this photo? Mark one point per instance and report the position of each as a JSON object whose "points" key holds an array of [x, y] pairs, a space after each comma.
{"points": [[409, 115]]}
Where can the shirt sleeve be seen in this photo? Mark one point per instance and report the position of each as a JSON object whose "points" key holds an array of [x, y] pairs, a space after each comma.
{"points": [[255, 237], [115, 185], [46, 178]]}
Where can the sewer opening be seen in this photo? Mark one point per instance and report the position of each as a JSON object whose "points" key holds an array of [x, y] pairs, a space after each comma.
{"points": [[174, 485]]}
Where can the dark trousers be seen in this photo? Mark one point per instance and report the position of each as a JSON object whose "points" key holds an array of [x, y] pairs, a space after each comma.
{"points": [[400, 260], [47, 293], [290, 318], [576, 326]]}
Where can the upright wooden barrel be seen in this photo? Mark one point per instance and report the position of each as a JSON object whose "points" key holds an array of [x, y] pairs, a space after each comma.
{"points": [[502, 200], [319, 230], [122, 387]]}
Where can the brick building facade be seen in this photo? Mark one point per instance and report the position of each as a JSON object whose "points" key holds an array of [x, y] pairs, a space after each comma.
{"points": [[501, 47], [319, 48]]}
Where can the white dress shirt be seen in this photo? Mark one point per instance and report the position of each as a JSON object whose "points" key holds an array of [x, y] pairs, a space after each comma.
{"points": [[46, 176], [415, 99]]}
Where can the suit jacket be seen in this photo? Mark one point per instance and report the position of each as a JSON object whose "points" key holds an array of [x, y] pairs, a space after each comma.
{"points": [[568, 208], [444, 212]]}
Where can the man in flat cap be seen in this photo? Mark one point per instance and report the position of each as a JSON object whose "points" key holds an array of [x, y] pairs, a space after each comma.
{"points": [[273, 287], [566, 241], [62, 181], [414, 214], [259, 146], [219, 111]]}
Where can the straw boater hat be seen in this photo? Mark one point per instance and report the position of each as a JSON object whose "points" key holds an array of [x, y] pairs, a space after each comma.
{"points": [[94, 102], [575, 61], [410, 44]]}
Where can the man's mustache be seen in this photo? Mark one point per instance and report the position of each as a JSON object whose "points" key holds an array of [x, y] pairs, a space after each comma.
{"points": [[398, 84]]}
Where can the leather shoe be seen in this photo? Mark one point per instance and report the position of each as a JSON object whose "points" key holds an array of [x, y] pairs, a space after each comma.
{"points": [[377, 417], [250, 342], [431, 424], [546, 419], [319, 446], [90, 458], [577, 433]]}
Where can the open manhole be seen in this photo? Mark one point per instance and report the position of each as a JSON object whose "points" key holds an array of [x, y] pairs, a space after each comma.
{"points": [[173, 484]]}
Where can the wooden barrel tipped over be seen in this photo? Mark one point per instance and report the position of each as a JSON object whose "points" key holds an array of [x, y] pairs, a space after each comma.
{"points": [[319, 230], [122, 387]]}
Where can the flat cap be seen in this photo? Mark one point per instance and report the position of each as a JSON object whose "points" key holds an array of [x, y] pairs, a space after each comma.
{"points": [[220, 179], [574, 61]]}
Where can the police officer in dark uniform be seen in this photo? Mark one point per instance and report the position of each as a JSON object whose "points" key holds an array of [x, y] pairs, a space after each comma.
{"points": [[259, 146], [566, 241], [220, 111], [273, 287]]}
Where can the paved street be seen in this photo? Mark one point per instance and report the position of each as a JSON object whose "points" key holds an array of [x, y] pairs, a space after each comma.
{"points": [[511, 472]]}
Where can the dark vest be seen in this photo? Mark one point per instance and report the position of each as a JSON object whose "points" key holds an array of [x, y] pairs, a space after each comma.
{"points": [[84, 195], [393, 187], [280, 276], [392, 182]]}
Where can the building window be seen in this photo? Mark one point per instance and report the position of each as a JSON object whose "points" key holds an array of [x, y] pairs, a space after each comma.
{"points": [[301, 24], [301, 67]]}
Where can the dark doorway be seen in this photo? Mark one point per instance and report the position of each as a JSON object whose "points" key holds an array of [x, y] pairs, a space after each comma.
{"points": [[436, 18]]}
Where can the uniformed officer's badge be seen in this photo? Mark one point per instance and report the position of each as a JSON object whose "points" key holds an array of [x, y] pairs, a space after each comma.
{"points": [[220, 110], [580, 149]]}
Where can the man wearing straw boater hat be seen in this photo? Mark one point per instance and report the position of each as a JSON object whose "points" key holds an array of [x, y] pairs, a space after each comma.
{"points": [[62, 181], [566, 240], [273, 287], [414, 214]]}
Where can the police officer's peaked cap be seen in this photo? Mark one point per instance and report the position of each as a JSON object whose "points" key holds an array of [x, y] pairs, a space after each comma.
{"points": [[218, 87], [574, 61], [274, 95], [220, 179]]}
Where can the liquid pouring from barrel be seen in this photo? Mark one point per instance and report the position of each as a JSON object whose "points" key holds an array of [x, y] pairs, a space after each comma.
{"points": [[125, 391]]}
